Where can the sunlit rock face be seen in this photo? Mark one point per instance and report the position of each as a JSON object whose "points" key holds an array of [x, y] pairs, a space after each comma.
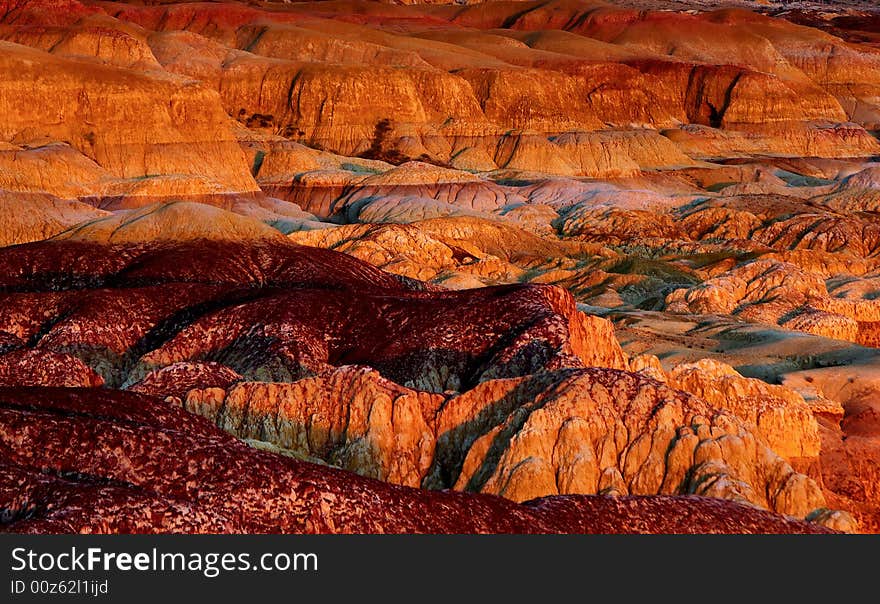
{"points": [[88, 461], [568, 266], [572, 88]]}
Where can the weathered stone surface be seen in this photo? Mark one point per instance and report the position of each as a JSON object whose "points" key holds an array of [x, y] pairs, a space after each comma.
{"points": [[39, 368], [79, 461], [142, 124], [26, 217], [180, 378], [293, 328], [555, 433], [175, 221], [781, 416], [584, 423]]}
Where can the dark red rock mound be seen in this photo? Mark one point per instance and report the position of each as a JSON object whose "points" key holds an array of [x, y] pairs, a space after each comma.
{"points": [[41, 368], [58, 265], [663, 514], [276, 312], [180, 378]]}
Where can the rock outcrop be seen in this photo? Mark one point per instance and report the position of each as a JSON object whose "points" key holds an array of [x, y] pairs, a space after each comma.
{"points": [[143, 123], [568, 432], [40, 368], [175, 221], [779, 292], [564, 91], [782, 417], [305, 321], [78, 461]]}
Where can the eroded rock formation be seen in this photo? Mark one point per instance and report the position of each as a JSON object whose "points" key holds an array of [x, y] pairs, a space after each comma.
{"points": [[567, 250], [87, 461]]}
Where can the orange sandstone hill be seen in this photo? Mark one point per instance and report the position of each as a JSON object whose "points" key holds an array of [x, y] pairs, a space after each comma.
{"points": [[566, 87]]}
